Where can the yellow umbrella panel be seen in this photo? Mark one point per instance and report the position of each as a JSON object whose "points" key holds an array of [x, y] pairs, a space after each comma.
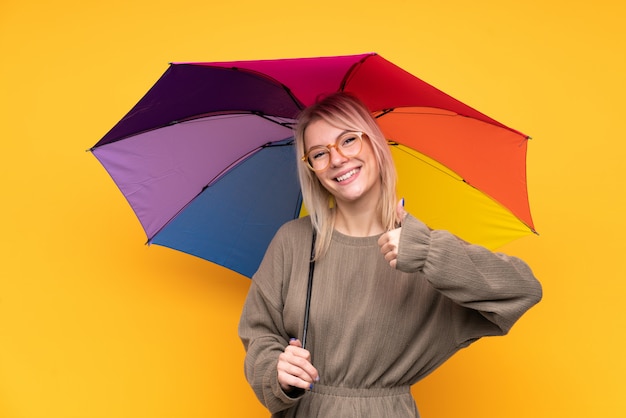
{"points": [[441, 199]]}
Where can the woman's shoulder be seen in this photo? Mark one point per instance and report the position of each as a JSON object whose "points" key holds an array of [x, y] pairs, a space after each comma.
{"points": [[293, 238], [298, 228], [290, 245]]}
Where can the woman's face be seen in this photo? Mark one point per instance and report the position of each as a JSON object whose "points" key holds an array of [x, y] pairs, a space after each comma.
{"points": [[348, 179]]}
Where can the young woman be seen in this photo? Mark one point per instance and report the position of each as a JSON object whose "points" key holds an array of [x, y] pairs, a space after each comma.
{"points": [[391, 299]]}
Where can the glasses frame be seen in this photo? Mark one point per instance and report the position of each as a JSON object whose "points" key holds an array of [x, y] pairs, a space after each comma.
{"points": [[358, 134]]}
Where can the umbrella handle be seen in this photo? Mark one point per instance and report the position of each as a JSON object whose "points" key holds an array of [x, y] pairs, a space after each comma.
{"points": [[307, 305]]}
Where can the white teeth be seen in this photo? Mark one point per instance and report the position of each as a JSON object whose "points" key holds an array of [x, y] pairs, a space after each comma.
{"points": [[347, 175]]}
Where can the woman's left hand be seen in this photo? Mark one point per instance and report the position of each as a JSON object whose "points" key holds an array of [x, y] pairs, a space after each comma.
{"points": [[390, 241]]}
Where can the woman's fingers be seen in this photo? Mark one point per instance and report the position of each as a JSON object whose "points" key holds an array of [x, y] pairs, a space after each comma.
{"points": [[295, 368], [295, 342], [389, 243]]}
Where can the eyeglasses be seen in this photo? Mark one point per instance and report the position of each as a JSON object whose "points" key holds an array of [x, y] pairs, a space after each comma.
{"points": [[347, 144]]}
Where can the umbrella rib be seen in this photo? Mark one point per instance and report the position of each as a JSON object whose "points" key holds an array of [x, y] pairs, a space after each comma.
{"points": [[457, 177], [211, 182], [272, 80], [352, 70], [230, 166], [384, 112], [281, 143], [202, 116], [273, 120]]}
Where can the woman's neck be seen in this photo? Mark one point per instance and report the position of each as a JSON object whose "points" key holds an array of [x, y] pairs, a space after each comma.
{"points": [[358, 221]]}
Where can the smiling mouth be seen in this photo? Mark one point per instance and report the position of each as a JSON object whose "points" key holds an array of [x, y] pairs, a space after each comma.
{"points": [[347, 175]]}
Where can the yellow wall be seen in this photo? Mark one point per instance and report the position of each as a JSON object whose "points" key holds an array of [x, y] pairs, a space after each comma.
{"points": [[95, 324]]}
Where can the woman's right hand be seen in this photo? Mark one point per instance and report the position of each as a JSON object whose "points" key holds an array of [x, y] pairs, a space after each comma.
{"points": [[295, 369], [389, 242]]}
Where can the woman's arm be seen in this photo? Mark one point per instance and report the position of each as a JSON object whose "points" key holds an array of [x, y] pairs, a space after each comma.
{"points": [[500, 287], [274, 364], [262, 337]]}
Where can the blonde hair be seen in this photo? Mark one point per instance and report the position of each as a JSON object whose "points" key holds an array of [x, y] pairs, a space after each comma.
{"points": [[346, 112]]}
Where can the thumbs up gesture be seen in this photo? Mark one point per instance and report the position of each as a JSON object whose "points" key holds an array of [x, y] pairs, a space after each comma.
{"points": [[390, 240]]}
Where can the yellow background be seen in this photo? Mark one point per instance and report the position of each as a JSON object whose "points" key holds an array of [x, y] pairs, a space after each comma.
{"points": [[95, 324]]}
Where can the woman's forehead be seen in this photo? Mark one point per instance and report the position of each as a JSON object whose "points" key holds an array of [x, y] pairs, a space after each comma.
{"points": [[322, 132]]}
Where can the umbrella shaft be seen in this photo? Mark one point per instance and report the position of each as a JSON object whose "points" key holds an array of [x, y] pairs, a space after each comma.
{"points": [[307, 305]]}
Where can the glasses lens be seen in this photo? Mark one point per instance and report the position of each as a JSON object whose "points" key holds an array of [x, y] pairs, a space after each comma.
{"points": [[349, 144], [318, 158]]}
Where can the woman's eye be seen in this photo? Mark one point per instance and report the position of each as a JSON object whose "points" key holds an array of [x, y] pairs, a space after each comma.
{"points": [[316, 155], [346, 142]]}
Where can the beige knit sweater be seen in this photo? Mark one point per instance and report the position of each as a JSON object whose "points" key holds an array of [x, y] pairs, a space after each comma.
{"points": [[374, 330]]}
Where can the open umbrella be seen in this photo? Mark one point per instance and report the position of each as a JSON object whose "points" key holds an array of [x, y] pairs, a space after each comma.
{"points": [[206, 158]]}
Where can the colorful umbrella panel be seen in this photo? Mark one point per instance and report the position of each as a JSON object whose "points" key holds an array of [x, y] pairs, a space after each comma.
{"points": [[206, 159]]}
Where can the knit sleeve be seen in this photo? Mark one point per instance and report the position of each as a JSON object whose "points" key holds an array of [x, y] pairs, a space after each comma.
{"points": [[262, 331], [498, 287]]}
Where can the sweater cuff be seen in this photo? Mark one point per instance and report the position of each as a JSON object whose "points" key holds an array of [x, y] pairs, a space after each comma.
{"points": [[285, 400], [414, 245]]}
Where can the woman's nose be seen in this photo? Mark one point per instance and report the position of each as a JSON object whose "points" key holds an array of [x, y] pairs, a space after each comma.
{"points": [[336, 158]]}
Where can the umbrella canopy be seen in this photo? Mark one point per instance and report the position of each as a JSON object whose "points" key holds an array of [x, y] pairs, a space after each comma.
{"points": [[206, 158]]}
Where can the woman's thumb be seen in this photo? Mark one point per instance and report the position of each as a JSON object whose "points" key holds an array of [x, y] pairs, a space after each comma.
{"points": [[400, 211], [295, 342]]}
